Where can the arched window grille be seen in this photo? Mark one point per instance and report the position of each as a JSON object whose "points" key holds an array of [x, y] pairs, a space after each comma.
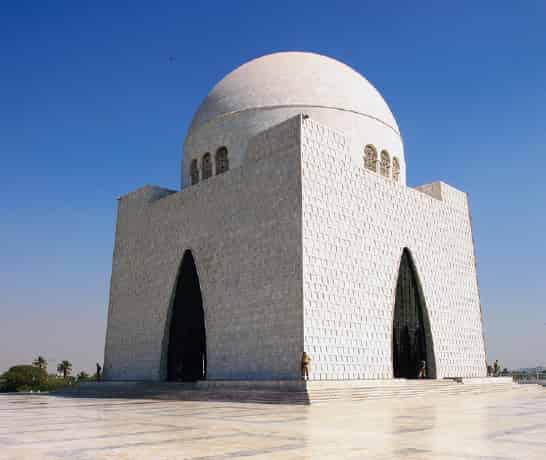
{"points": [[385, 166], [395, 169], [194, 172], [222, 160], [370, 158], [206, 166]]}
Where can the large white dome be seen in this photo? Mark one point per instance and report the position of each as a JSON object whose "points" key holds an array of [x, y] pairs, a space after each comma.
{"points": [[294, 78], [272, 88]]}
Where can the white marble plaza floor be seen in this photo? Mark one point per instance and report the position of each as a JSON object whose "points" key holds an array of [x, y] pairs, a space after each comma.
{"points": [[505, 425]]}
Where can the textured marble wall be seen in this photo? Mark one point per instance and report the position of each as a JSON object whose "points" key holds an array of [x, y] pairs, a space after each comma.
{"points": [[244, 229], [355, 226]]}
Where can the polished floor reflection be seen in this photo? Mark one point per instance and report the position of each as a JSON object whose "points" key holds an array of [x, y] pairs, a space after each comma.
{"points": [[503, 425]]}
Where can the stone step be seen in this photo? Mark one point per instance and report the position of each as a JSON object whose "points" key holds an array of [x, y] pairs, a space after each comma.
{"points": [[409, 391], [398, 395], [293, 392], [461, 388]]}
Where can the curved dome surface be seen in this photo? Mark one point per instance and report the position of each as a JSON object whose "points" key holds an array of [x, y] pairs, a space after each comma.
{"points": [[271, 89], [294, 79]]}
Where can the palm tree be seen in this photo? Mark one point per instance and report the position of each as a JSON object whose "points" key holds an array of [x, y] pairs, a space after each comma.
{"points": [[40, 362], [65, 367]]}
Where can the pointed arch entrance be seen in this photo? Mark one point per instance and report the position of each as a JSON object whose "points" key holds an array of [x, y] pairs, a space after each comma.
{"points": [[411, 338], [187, 355]]}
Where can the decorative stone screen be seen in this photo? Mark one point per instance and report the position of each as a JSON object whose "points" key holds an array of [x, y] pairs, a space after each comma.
{"points": [[370, 158], [385, 166], [206, 166], [395, 169], [194, 171], [222, 160]]}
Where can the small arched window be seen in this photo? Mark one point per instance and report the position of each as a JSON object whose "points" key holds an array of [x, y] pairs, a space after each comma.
{"points": [[385, 166], [206, 166], [222, 160], [395, 169], [370, 158], [194, 172]]}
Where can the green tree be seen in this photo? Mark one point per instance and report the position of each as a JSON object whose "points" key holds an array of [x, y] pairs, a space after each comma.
{"points": [[40, 362], [65, 367], [83, 376], [24, 377]]}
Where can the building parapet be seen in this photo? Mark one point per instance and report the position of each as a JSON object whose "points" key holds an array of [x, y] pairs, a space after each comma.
{"points": [[277, 139]]}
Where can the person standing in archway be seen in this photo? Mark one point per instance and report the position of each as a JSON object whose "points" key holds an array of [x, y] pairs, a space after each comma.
{"points": [[422, 369], [305, 362], [496, 368]]}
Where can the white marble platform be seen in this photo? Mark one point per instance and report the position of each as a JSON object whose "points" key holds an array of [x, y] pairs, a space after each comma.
{"points": [[503, 426]]}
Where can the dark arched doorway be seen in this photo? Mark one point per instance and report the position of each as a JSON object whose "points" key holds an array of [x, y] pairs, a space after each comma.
{"points": [[186, 357], [411, 338]]}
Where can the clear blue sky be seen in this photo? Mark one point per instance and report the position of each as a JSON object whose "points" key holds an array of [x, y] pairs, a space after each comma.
{"points": [[92, 107]]}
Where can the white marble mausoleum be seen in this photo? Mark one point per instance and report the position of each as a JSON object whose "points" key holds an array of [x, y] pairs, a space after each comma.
{"points": [[294, 230]]}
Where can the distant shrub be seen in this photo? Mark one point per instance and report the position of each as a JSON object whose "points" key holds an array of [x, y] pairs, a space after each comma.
{"points": [[24, 378], [54, 383], [83, 376], [24, 388]]}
